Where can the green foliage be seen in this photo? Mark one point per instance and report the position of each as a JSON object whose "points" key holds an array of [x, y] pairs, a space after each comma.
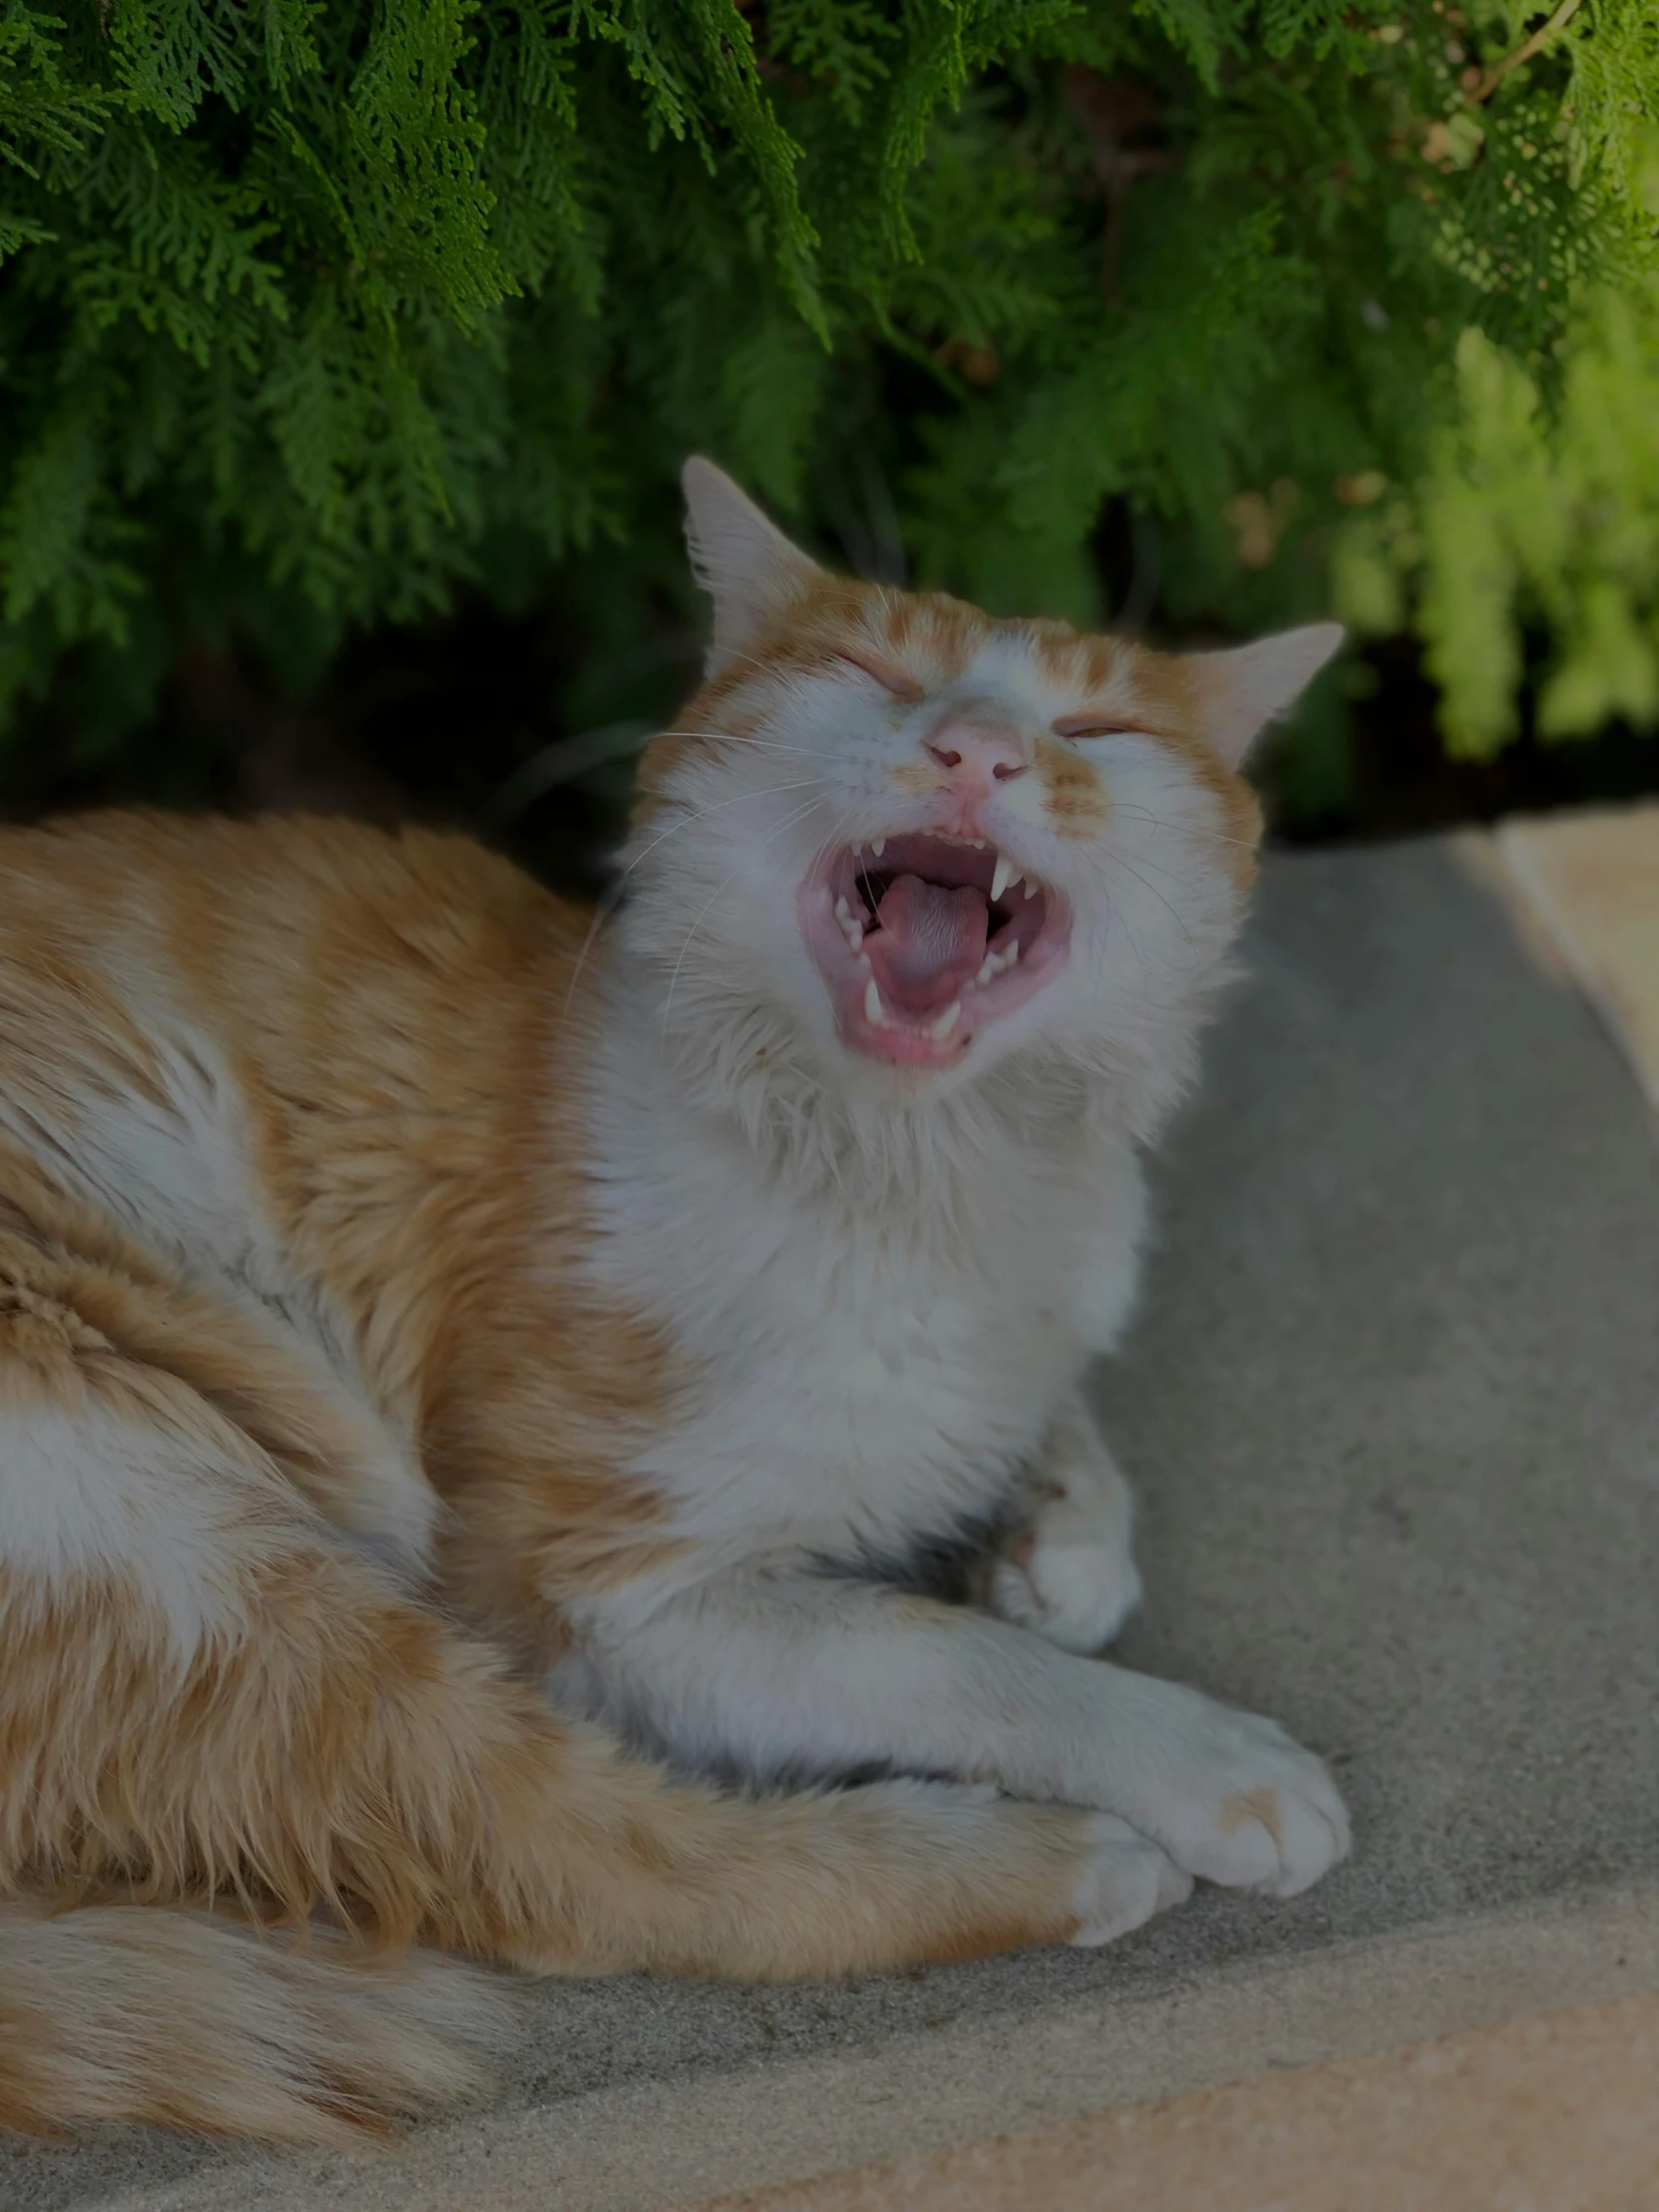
{"points": [[312, 315], [1536, 516]]}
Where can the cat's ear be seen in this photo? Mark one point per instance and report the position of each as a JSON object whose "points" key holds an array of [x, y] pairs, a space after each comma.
{"points": [[1241, 690], [744, 562]]}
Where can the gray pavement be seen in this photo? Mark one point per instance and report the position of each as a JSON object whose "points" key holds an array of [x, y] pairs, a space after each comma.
{"points": [[1393, 1407]]}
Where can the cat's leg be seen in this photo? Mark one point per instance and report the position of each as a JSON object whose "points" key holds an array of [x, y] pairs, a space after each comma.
{"points": [[348, 1745], [199, 1685], [779, 1672], [1065, 1564]]}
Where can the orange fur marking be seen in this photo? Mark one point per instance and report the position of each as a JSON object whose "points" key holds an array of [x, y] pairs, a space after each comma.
{"points": [[1253, 1804], [1073, 789], [916, 778]]}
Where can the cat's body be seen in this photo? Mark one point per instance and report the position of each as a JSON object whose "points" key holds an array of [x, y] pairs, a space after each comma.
{"points": [[413, 1311]]}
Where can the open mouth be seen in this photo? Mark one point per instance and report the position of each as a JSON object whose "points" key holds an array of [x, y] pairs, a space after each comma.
{"points": [[924, 940]]}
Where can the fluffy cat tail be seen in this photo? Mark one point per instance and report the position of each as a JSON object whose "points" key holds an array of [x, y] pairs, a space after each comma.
{"points": [[189, 2020]]}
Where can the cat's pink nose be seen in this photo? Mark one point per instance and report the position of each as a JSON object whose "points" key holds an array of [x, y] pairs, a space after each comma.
{"points": [[977, 754]]}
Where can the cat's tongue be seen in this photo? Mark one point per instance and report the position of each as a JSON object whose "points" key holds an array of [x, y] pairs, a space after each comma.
{"points": [[927, 943]]}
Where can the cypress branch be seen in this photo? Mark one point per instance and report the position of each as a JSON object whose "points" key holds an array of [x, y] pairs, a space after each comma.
{"points": [[365, 301]]}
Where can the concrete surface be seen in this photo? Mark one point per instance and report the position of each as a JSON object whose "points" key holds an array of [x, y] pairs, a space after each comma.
{"points": [[1585, 884], [1556, 2112], [1394, 1411]]}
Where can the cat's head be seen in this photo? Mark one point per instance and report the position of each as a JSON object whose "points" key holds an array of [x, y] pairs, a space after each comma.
{"points": [[895, 844]]}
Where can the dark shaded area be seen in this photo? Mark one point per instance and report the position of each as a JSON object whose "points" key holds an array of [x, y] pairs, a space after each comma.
{"points": [[454, 722], [1389, 776]]}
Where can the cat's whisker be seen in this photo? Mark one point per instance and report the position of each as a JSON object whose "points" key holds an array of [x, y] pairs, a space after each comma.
{"points": [[1115, 920], [743, 737], [718, 806], [842, 821], [1185, 830], [1158, 868], [1118, 860]]}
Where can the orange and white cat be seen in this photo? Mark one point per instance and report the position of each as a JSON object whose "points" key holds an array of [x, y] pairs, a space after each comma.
{"points": [[468, 1394]]}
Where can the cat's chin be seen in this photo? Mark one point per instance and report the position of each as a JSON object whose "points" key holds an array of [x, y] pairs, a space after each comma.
{"points": [[924, 942]]}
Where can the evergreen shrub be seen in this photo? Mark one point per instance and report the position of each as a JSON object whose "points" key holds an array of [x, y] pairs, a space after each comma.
{"points": [[315, 314]]}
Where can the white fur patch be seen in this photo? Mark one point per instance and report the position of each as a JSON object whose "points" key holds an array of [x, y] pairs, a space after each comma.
{"points": [[1129, 1878], [173, 1168], [83, 1496]]}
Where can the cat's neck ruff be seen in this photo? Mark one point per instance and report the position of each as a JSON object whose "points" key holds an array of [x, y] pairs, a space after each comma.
{"points": [[702, 1063], [743, 1089]]}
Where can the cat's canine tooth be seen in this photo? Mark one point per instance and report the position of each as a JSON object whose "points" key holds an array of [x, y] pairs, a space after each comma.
{"points": [[874, 1012], [878, 845], [946, 1021], [1028, 891], [999, 879]]}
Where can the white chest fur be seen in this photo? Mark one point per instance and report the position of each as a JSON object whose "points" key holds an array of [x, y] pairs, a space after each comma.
{"points": [[869, 1369]]}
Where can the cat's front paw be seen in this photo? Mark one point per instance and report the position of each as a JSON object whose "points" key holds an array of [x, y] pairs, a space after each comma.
{"points": [[1071, 1584], [1234, 1799], [1128, 1879], [1066, 1565]]}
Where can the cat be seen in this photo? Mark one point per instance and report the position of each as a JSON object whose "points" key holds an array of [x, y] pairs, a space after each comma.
{"points": [[474, 1379]]}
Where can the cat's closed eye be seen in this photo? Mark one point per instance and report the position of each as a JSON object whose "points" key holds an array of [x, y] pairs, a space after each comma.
{"points": [[890, 679], [1080, 728]]}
